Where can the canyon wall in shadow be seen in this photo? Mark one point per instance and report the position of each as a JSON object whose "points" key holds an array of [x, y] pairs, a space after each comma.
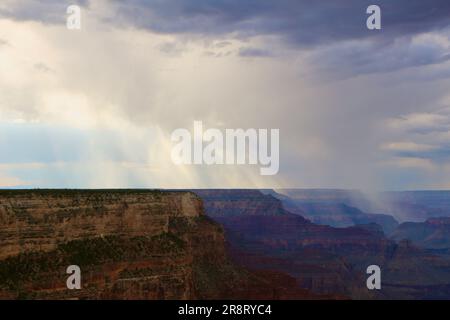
{"points": [[263, 235]]}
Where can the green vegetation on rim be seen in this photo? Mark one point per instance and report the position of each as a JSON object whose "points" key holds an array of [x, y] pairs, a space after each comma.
{"points": [[34, 266]]}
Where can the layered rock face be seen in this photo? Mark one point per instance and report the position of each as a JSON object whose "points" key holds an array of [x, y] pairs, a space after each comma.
{"points": [[432, 234], [129, 244], [245, 202], [140, 244], [324, 259], [39, 220]]}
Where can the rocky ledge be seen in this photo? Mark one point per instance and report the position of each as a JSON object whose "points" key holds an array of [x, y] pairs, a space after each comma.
{"points": [[129, 244]]}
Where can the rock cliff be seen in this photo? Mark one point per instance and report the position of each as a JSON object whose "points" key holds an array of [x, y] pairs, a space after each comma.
{"points": [[129, 244], [323, 259], [431, 234]]}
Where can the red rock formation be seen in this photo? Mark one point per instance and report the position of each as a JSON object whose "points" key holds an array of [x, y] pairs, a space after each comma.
{"points": [[129, 244], [431, 234], [321, 258]]}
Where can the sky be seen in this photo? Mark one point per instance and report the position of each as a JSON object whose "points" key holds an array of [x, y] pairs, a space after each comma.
{"points": [[95, 108]]}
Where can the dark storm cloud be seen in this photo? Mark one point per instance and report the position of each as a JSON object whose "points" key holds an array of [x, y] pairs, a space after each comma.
{"points": [[382, 56], [440, 155], [436, 153], [45, 11], [302, 22], [254, 52], [305, 24]]}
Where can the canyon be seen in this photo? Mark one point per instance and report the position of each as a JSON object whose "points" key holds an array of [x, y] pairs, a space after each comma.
{"points": [[433, 234], [209, 244], [336, 208], [129, 244], [262, 234]]}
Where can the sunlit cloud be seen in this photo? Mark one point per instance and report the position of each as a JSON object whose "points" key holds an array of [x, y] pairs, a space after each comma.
{"points": [[96, 107]]}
